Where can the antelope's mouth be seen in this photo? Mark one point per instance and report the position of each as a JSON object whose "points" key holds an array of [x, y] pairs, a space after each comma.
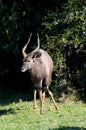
{"points": [[23, 70]]}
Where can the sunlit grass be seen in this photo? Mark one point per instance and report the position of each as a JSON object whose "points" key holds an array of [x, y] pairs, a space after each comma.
{"points": [[21, 116]]}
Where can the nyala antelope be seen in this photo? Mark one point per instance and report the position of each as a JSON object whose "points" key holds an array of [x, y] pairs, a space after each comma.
{"points": [[40, 66]]}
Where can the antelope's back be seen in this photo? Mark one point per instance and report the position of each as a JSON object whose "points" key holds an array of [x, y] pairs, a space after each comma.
{"points": [[48, 63]]}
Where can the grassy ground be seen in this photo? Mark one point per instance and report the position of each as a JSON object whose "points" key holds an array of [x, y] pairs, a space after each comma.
{"points": [[17, 113]]}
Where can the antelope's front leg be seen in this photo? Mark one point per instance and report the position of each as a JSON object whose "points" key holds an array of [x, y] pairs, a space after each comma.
{"points": [[41, 101], [43, 98], [34, 106]]}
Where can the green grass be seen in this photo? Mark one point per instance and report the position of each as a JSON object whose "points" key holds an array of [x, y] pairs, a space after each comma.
{"points": [[20, 115]]}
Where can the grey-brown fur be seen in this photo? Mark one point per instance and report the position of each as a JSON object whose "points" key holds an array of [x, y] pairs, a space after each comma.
{"points": [[40, 66]]}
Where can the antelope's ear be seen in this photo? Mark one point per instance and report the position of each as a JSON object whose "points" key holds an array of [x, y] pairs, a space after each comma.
{"points": [[38, 54]]}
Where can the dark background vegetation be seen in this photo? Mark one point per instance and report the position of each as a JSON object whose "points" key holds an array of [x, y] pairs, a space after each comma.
{"points": [[61, 25]]}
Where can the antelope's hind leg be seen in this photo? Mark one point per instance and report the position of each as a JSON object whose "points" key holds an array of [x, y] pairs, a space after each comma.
{"points": [[51, 95]]}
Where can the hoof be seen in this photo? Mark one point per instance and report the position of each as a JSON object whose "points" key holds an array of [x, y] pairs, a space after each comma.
{"points": [[41, 112], [34, 107], [56, 107]]}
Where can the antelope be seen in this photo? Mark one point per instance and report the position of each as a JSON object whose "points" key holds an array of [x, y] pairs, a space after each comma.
{"points": [[40, 66]]}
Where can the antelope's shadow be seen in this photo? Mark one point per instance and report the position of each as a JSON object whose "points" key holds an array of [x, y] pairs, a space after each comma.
{"points": [[68, 128]]}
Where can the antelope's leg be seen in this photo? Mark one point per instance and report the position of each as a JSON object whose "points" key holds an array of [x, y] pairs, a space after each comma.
{"points": [[43, 98], [50, 93], [41, 101], [34, 106]]}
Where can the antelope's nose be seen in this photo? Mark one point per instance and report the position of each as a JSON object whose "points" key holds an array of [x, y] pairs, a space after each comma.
{"points": [[22, 70]]}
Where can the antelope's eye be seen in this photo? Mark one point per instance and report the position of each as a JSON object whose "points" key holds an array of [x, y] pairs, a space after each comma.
{"points": [[28, 61]]}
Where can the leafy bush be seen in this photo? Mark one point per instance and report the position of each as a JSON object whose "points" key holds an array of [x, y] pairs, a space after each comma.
{"points": [[61, 26]]}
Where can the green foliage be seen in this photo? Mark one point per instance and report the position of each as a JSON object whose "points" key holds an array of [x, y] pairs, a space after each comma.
{"points": [[58, 23], [67, 27]]}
